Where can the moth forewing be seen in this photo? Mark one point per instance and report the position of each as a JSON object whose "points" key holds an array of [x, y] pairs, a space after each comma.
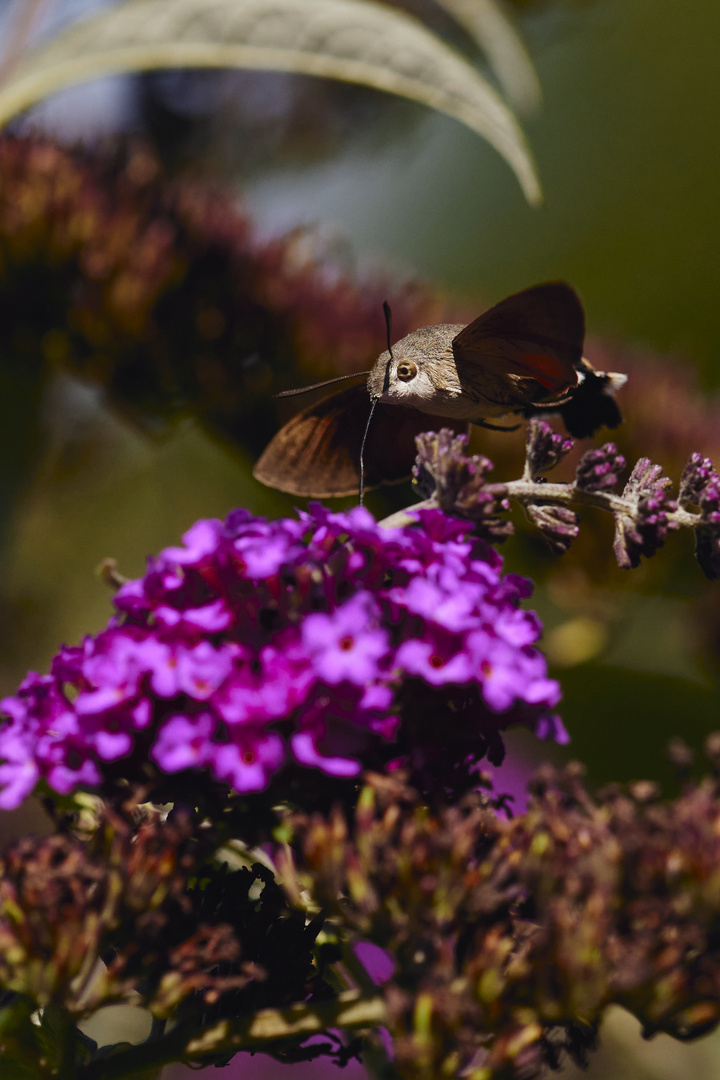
{"points": [[548, 317], [316, 454], [535, 334]]}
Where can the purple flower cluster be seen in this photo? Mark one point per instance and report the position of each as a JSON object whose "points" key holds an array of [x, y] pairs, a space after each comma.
{"points": [[644, 531], [700, 486], [707, 534], [261, 644]]}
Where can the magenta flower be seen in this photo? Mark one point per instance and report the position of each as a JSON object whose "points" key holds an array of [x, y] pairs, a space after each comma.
{"points": [[113, 665], [259, 646], [248, 764], [437, 658], [508, 673], [266, 686], [348, 644], [184, 742], [305, 748], [340, 724], [440, 601], [43, 738]]}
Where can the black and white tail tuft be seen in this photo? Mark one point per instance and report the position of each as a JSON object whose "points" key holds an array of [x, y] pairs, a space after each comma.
{"points": [[592, 404]]}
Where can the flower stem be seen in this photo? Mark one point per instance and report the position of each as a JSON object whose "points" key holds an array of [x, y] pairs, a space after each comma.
{"points": [[349, 1010], [528, 491]]}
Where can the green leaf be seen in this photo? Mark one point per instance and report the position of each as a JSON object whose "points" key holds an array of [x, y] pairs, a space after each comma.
{"points": [[26, 1052], [354, 40], [487, 23], [15, 1015]]}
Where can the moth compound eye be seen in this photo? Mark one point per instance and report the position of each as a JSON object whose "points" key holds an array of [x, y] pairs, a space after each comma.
{"points": [[406, 370]]}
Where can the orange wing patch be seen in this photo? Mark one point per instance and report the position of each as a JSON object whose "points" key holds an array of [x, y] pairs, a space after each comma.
{"points": [[548, 370]]}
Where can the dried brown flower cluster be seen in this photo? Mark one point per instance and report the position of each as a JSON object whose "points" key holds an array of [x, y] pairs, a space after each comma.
{"points": [[510, 938], [140, 913], [64, 902], [163, 295]]}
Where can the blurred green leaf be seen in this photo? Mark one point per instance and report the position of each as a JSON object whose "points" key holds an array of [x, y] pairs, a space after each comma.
{"points": [[487, 23], [48, 1045], [622, 720], [351, 40]]}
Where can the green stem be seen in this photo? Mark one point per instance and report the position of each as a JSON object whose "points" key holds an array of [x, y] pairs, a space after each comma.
{"points": [[374, 1055], [65, 1036]]}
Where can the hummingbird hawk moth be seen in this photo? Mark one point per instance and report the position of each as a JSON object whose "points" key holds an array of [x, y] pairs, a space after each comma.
{"points": [[522, 357]]}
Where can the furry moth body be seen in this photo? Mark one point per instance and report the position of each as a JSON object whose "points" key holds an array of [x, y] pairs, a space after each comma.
{"points": [[522, 357]]}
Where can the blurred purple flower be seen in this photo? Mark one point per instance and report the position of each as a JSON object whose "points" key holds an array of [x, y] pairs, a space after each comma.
{"points": [[707, 534], [697, 475], [248, 763], [184, 743], [437, 658]]}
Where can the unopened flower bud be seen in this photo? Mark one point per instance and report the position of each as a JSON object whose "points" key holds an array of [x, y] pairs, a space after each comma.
{"points": [[558, 524], [707, 533], [599, 470], [545, 449], [697, 474]]}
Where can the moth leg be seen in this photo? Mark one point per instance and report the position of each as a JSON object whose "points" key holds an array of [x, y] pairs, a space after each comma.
{"points": [[495, 427]]}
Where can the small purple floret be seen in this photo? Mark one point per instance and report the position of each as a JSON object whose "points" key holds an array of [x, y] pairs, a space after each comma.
{"points": [[347, 644]]}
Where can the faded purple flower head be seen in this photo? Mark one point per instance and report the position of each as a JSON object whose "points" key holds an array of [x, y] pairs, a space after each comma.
{"points": [[558, 524], [257, 646], [646, 479]]}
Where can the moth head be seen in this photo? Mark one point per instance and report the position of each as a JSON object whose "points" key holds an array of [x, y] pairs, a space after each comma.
{"points": [[410, 374]]}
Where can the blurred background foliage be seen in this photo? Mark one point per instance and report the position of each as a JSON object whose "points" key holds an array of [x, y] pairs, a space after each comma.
{"points": [[175, 247]]}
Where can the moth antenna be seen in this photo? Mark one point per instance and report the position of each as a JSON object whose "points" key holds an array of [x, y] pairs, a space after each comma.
{"points": [[362, 451], [387, 312], [319, 385]]}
